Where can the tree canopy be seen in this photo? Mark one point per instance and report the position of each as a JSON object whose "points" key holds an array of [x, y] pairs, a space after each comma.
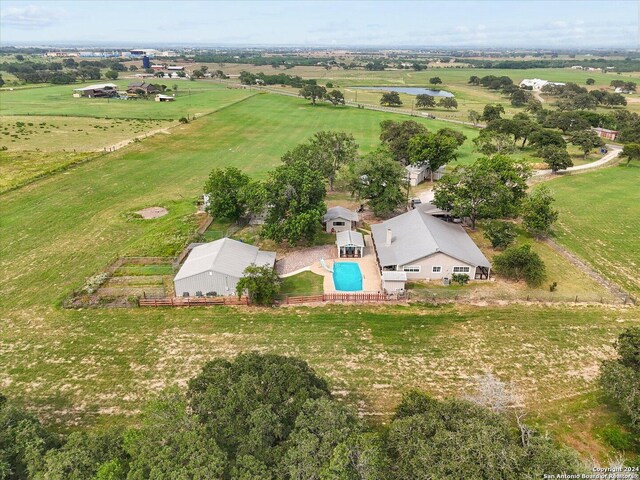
{"points": [[295, 196], [313, 93], [378, 179], [390, 99], [225, 191], [488, 188], [520, 263], [432, 149], [537, 213], [397, 135]]}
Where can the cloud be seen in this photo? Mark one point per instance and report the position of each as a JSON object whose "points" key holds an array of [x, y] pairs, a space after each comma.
{"points": [[29, 16]]}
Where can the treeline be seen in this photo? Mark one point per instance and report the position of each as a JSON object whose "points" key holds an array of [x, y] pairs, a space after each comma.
{"points": [[272, 417], [296, 81], [67, 71], [626, 65], [259, 60]]}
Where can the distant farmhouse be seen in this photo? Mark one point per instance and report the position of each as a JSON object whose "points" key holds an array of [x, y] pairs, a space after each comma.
{"points": [[101, 90], [142, 88], [424, 247], [214, 268], [606, 133], [537, 83]]}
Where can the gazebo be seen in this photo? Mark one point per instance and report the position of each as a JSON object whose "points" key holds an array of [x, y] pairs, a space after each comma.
{"points": [[350, 244]]}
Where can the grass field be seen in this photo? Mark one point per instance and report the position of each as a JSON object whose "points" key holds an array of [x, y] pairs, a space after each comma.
{"points": [[600, 221], [49, 133], [79, 367], [192, 98], [454, 80], [19, 167]]}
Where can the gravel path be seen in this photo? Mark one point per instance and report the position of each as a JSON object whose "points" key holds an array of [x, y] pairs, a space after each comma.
{"points": [[303, 258]]}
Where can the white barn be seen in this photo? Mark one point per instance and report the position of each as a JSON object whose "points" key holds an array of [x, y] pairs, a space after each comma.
{"points": [[215, 268]]}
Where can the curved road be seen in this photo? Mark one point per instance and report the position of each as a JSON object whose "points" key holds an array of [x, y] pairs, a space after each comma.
{"points": [[611, 155]]}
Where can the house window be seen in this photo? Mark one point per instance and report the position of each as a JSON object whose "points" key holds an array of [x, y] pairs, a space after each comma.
{"points": [[436, 269], [461, 269], [411, 268], [338, 224]]}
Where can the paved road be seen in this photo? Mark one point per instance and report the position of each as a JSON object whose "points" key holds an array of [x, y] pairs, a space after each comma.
{"points": [[613, 153]]}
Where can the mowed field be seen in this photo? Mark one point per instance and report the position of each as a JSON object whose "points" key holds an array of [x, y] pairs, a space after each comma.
{"points": [[192, 98], [78, 367], [600, 221], [454, 80]]}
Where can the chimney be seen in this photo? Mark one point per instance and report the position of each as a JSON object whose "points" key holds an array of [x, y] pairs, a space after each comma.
{"points": [[388, 242]]}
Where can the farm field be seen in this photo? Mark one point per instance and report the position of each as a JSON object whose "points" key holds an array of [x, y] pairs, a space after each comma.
{"points": [[49, 133], [17, 168], [191, 99], [600, 221], [454, 80], [80, 367]]}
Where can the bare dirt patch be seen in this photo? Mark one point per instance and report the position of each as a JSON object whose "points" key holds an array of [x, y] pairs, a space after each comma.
{"points": [[152, 212]]}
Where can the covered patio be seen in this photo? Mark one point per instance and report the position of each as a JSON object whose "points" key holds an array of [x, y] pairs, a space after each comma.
{"points": [[350, 244]]}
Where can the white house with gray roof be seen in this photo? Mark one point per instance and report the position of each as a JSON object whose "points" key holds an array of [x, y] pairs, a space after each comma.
{"points": [[427, 248], [215, 268], [339, 219]]}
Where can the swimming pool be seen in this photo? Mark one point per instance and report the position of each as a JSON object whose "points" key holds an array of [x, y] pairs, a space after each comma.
{"points": [[347, 276]]}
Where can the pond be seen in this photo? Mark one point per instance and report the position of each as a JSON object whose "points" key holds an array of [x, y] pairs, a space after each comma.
{"points": [[409, 90]]}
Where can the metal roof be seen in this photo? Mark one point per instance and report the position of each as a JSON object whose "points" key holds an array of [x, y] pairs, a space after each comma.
{"points": [[349, 237], [417, 234], [98, 86], [340, 212], [226, 256], [392, 276]]}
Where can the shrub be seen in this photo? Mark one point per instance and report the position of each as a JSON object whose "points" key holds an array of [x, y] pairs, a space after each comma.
{"points": [[521, 263], [261, 284], [183, 120], [500, 234], [460, 278], [553, 287]]}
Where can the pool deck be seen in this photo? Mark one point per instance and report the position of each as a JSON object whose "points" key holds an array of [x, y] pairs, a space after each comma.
{"points": [[371, 280]]}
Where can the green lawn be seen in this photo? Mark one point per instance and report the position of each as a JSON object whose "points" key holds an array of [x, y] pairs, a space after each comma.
{"points": [[305, 283], [193, 98], [600, 221]]}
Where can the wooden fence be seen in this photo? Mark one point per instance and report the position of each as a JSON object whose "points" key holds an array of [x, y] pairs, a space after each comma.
{"points": [[206, 301], [341, 297], [192, 301]]}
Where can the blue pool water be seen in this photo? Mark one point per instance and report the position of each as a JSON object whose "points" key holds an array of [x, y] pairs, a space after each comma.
{"points": [[347, 276], [410, 90]]}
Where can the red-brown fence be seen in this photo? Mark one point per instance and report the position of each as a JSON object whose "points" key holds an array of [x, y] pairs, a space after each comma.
{"points": [[341, 297], [195, 301], [205, 301]]}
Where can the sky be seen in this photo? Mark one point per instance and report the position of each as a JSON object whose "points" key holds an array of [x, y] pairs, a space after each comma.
{"points": [[485, 24]]}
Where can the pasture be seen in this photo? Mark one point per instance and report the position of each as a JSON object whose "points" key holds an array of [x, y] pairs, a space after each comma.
{"points": [[81, 134], [95, 366], [600, 221], [454, 80], [192, 98]]}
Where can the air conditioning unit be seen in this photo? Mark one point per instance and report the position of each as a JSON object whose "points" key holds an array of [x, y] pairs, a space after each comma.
{"points": [[445, 281]]}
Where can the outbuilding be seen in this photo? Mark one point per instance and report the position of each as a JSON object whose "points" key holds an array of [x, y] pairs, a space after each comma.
{"points": [[339, 219], [350, 244], [393, 282], [214, 268]]}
